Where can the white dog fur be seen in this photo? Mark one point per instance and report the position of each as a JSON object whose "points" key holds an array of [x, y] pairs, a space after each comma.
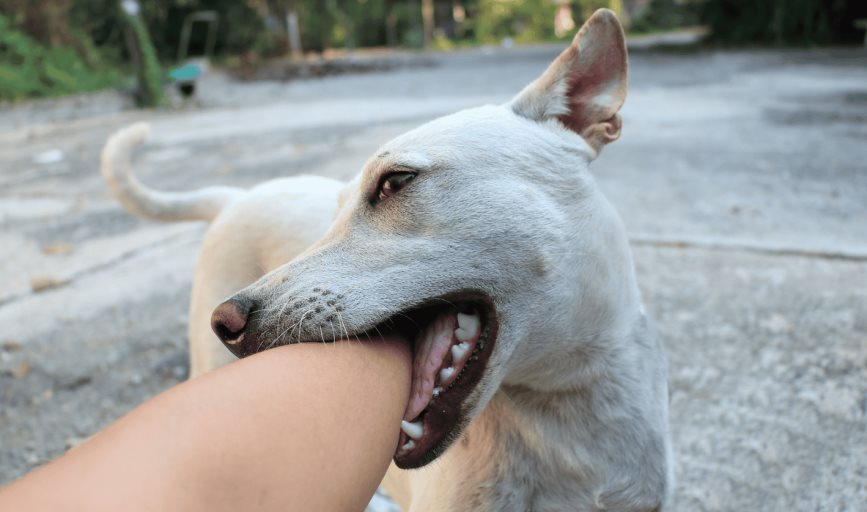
{"points": [[571, 411]]}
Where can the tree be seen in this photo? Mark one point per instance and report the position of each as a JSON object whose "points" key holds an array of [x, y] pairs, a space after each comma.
{"points": [[784, 21], [144, 56]]}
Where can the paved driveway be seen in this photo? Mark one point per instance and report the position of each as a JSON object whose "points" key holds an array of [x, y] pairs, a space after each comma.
{"points": [[741, 177]]}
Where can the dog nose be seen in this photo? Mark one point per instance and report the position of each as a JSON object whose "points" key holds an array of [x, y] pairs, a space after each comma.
{"points": [[229, 320]]}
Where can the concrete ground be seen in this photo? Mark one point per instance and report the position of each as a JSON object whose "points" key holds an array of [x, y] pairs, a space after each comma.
{"points": [[741, 177]]}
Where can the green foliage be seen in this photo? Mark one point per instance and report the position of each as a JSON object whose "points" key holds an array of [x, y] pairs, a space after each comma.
{"points": [[441, 42], [149, 71], [356, 23], [336, 23], [237, 31], [63, 46], [784, 21], [31, 69], [530, 20], [666, 15], [527, 21], [585, 8]]}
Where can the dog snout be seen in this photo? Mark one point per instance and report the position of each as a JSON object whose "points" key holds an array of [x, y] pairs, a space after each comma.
{"points": [[229, 321]]}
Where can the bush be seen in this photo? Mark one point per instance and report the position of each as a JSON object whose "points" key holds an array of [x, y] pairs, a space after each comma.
{"points": [[784, 22], [530, 20], [31, 69], [666, 15]]}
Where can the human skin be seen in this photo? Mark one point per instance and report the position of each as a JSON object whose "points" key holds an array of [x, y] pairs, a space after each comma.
{"points": [[299, 427]]}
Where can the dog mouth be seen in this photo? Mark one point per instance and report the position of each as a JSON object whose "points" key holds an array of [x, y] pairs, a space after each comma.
{"points": [[453, 338]]}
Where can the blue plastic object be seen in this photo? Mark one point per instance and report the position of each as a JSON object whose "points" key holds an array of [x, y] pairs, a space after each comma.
{"points": [[187, 73]]}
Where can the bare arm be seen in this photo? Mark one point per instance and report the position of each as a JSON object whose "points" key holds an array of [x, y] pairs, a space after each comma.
{"points": [[304, 427]]}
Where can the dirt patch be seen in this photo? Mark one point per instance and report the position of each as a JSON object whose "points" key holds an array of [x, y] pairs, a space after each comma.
{"points": [[286, 69]]}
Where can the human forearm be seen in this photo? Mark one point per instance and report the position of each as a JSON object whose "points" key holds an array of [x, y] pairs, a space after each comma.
{"points": [[306, 427]]}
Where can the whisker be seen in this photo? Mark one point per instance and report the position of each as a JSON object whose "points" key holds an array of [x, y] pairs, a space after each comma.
{"points": [[450, 303], [277, 339], [342, 325], [301, 323]]}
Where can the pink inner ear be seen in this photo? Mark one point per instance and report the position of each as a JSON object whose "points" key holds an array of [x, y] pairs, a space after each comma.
{"points": [[589, 98]]}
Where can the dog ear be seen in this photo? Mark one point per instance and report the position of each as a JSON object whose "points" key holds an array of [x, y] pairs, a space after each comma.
{"points": [[585, 86]]}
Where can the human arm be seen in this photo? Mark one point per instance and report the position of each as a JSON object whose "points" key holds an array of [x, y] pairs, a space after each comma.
{"points": [[302, 427]]}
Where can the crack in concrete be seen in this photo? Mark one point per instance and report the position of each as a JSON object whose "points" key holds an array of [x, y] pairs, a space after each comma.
{"points": [[720, 245], [640, 241], [66, 280]]}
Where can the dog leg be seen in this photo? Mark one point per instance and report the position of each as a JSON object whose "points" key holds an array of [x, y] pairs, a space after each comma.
{"points": [[397, 485], [216, 278], [266, 228]]}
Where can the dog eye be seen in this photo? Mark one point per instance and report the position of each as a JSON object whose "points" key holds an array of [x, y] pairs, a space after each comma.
{"points": [[392, 183]]}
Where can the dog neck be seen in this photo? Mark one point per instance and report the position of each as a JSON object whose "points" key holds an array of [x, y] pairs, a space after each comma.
{"points": [[577, 437], [591, 388], [579, 320]]}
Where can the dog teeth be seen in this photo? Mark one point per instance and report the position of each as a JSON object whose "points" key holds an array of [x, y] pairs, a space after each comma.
{"points": [[468, 327], [413, 430], [436, 391], [459, 351], [408, 446], [445, 373]]}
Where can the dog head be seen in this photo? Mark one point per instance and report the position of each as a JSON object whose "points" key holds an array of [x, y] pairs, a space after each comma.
{"points": [[481, 238]]}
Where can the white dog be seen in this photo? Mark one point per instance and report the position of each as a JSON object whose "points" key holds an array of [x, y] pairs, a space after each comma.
{"points": [[538, 383]]}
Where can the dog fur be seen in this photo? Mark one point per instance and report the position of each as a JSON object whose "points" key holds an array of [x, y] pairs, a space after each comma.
{"points": [[571, 411]]}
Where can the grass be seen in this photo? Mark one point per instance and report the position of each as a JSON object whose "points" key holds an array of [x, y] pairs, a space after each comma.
{"points": [[29, 69]]}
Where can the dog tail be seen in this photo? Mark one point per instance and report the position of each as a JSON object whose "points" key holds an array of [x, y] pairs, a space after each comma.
{"points": [[203, 204]]}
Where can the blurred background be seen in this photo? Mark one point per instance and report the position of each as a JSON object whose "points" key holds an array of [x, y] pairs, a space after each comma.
{"points": [[741, 176], [68, 46]]}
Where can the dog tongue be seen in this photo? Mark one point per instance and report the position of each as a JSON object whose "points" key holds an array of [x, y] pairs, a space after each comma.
{"points": [[430, 351]]}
